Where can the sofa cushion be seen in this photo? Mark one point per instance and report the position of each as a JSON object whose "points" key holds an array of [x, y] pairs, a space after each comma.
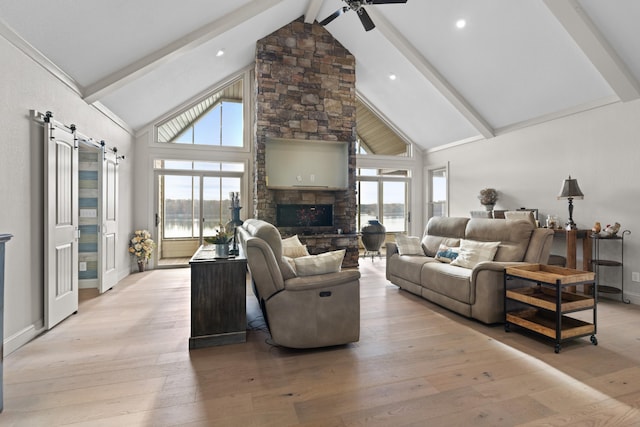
{"points": [[311, 265], [453, 282], [472, 253], [407, 267], [447, 230], [447, 253], [408, 245], [513, 235]]}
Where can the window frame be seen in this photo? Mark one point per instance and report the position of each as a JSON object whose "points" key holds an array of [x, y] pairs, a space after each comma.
{"points": [[429, 176]]}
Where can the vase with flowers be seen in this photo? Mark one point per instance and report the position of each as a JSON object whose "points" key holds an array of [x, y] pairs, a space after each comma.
{"points": [[220, 241], [488, 198], [141, 246]]}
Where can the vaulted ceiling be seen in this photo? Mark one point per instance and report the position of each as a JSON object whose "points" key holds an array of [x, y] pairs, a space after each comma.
{"points": [[514, 64]]}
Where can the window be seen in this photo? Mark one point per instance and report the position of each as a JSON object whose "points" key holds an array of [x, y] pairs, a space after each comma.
{"points": [[216, 121], [438, 190], [382, 195], [195, 196]]}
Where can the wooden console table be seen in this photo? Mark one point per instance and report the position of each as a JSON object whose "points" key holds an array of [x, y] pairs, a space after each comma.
{"points": [[218, 299], [571, 237]]}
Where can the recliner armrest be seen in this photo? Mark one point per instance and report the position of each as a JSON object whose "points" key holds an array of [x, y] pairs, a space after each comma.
{"points": [[320, 281]]}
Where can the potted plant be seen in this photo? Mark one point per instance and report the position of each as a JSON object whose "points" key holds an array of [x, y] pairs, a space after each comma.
{"points": [[141, 246], [488, 198], [220, 241]]}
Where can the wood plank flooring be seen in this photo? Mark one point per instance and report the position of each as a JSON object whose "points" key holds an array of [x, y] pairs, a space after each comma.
{"points": [[123, 360]]}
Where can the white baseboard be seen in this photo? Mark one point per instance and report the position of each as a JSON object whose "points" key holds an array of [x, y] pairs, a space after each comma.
{"points": [[22, 337]]}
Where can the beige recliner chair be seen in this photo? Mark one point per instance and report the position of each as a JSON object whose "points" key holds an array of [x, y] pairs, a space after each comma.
{"points": [[301, 312]]}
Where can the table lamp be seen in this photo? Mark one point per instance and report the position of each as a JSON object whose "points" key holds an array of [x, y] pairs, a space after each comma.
{"points": [[570, 191]]}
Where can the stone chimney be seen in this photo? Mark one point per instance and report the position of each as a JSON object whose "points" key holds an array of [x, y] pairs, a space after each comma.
{"points": [[305, 90]]}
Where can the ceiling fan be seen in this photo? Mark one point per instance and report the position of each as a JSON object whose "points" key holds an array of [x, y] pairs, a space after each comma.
{"points": [[358, 7]]}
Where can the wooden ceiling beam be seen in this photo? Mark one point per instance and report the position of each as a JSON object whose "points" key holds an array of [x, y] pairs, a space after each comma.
{"points": [[431, 73], [177, 48], [312, 11], [597, 49]]}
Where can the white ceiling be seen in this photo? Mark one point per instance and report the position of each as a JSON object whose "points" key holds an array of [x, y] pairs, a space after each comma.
{"points": [[516, 63]]}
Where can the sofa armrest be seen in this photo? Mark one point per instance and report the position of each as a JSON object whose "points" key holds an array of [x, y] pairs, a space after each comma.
{"points": [[539, 246], [392, 248], [493, 266], [321, 281]]}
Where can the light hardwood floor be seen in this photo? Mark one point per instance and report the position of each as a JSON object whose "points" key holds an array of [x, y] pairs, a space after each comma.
{"points": [[123, 360]]}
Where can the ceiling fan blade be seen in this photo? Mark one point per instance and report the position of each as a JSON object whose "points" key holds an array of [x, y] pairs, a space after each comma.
{"points": [[333, 16], [386, 1], [367, 23]]}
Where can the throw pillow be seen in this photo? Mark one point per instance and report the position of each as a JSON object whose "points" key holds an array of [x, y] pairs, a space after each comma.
{"points": [[472, 253], [295, 251], [447, 253], [409, 245], [293, 248], [311, 265]]}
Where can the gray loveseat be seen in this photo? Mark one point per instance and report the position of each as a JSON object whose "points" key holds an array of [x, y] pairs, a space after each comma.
{"points": [[473, 292]]}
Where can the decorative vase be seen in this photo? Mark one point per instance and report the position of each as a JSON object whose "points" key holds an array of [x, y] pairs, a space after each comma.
{"points": [[235, 220], [222, 250], [489, 207], [141, 266], [373, 235]]}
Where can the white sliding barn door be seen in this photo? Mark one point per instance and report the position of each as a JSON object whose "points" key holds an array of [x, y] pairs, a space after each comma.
{"points": [[109, 228], [61, 225]]}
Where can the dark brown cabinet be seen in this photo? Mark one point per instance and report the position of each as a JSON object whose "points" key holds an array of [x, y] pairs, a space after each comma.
{"points": [[218, 299]]}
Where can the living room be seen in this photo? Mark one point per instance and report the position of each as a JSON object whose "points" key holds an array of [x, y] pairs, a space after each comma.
{"points": [[525, 159]]}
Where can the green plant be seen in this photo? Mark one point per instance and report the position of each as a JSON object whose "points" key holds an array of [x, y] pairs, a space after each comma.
{"points": [[221, 237]]}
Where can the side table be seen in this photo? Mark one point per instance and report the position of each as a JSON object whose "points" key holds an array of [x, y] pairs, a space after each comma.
{"points": [[218, 299], [549, 300]]}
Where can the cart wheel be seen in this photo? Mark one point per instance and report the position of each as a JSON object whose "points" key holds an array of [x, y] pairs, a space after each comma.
{"points": [[557, 349], [594, 340]]}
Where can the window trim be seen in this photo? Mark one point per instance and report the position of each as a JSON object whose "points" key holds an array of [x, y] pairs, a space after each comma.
{"points": [[429, 171], [247, 112]]}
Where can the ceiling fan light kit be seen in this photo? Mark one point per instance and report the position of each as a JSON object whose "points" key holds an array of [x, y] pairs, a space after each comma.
{"points": [[358, 7]]}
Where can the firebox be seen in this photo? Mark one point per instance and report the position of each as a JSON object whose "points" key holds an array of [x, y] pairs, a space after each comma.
{"points": [[304, 216]]}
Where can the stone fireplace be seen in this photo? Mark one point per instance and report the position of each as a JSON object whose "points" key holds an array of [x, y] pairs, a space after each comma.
{"points": [[305, 90]]}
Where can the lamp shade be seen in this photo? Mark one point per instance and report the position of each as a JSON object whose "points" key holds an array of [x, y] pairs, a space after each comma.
{"points": [[570, 189]]}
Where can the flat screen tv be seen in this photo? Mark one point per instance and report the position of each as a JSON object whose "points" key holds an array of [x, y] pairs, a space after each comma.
{"points": [[306, 164]]}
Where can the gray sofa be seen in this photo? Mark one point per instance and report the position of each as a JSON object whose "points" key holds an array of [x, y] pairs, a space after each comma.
{"points": [[301, 311], [473, 292]]}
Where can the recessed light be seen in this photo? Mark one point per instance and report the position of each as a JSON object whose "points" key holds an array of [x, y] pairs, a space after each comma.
{"points": [[392, 76], [220, 52], [461, 23]]}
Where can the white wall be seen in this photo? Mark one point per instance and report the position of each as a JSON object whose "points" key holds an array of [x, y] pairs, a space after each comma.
{"points": [[600, 148], [27, 86]]}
